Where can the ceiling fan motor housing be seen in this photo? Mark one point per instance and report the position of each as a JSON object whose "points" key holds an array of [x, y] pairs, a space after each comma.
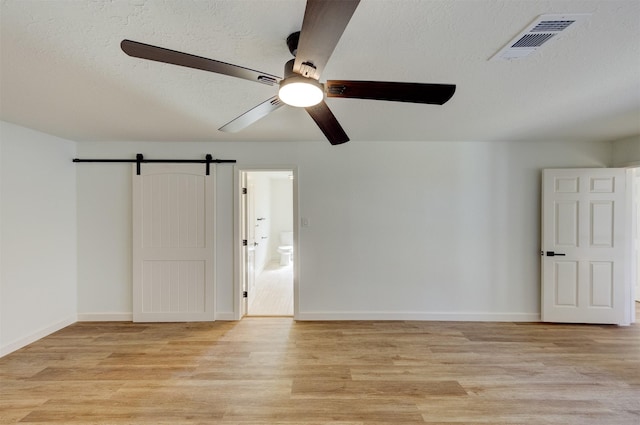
{"points": [[288, 69], [292, 42], [307, 70]]}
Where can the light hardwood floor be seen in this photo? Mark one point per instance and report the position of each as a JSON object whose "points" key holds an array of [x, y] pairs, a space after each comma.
{"points": [[273, 292], [276, 371]]}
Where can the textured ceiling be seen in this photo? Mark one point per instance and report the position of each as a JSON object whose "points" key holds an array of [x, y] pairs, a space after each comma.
{"points": [[62, 71]]}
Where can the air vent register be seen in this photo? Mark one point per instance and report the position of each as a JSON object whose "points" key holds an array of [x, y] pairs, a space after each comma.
{"points": [[540, 32]]}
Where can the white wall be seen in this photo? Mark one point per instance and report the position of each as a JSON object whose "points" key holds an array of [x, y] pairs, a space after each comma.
{"points": [[273, 200], [281, 212], [420, 230], [38, 235], [104, 255], [260, 186], [626, 152]]}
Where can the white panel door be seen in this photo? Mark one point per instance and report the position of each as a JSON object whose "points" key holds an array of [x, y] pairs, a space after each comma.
{"points": [[583, 246], [173, 243]]}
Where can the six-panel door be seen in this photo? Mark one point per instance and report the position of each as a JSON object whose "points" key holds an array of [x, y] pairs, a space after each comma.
{"points": [[583, 243]]}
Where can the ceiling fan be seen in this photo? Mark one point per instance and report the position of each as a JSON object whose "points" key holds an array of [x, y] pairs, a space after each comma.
{"points": [[323, 24]]}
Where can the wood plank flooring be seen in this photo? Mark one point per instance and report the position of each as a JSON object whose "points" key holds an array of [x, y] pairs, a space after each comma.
{"points": [[276, 371]]}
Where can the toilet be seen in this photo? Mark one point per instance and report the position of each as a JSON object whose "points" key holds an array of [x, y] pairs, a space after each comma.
{"points": [[286, 248]]}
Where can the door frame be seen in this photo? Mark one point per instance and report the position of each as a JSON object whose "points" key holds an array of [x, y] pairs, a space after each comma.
{"points": [[632, 224], [239, 267], [633, 211]]}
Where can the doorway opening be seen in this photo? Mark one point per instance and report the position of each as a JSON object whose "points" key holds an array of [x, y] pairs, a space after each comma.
{"points": [[268, 249]]}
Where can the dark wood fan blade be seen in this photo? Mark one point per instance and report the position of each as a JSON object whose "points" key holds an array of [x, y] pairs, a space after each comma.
{"points": [[160, 54], [323, 25], [252, 115], [328, 123], [435, 94]]}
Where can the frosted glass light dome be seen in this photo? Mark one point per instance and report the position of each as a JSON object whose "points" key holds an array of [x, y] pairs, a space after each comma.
{"points": [[300, 91]]}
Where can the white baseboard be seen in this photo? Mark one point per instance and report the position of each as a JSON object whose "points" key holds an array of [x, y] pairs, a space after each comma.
{"points": [[128, 317], [225, 316], [24, 341], [105, 317], [420, 316]]}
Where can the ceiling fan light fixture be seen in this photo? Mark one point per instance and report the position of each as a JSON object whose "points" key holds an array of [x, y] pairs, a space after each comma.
{"points": [[301, 91]]}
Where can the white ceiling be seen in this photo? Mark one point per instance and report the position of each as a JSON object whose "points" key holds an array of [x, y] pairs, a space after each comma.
{"points": [[62, 71]]}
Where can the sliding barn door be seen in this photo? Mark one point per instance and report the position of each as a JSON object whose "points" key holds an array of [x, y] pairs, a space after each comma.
{"points": [[173, 243], [583, 246]]}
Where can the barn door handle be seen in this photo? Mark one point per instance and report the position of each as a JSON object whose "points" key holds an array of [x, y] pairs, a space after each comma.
{"points": [[554, 254]]}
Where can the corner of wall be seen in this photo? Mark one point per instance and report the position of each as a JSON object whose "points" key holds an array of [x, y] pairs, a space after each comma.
{"points": [[38, 238], [626, 152], [23, 341]]}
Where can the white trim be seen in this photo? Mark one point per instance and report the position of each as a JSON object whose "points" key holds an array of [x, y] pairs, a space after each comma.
{"points": [[128, 317], [635, 282], [29, 339], [237, 235], [105, 317], [420, 316], [228, 316], [630, 252]]}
